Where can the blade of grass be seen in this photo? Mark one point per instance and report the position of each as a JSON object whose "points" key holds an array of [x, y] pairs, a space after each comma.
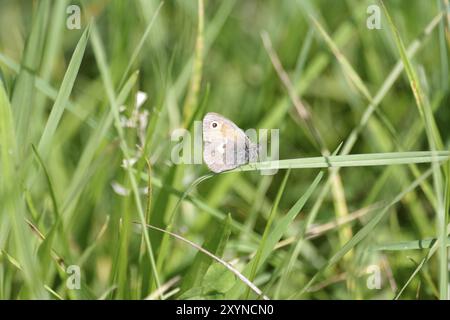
{"points": [[408, 245], [215, 244], [388, 83], [443, 49], [81, 172], [364, 232], [45, 248], [275, 235], [24, 91], [44, 87], [52, 48], [263, 244], [305, 114], [359, 84], [435, 142], [356, 160], [141, 43], [201, 205], [211, 34], [63, 94], [363, 90], [164, 248], [108, 83], [302, 110], [212, 256], [192, 95], [431, 252], [12, 202], [300, 237], [381, 93], [346, 66]]}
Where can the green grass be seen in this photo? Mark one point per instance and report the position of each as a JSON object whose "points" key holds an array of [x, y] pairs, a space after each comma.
{"points": [[364, 150]]}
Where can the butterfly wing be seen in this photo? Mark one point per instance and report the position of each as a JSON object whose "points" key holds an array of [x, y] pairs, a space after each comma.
{"points": [[226, 146]]}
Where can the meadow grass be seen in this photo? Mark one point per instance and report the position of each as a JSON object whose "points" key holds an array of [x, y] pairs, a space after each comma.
{"points": [[86, 177]]}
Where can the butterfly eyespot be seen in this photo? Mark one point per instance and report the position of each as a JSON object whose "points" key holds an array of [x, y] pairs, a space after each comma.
{"points": [[214, 124]]}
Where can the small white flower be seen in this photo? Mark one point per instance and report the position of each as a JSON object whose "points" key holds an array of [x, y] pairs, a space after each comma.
{"points": [[123, 121], [129, 163], [119, 189], [141, 97]]}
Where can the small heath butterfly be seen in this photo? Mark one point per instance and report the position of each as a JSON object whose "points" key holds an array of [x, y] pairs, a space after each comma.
{"points": [[225, 145]]}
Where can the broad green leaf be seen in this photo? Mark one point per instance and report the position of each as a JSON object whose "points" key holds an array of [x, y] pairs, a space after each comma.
{"points": [[215, 244]]}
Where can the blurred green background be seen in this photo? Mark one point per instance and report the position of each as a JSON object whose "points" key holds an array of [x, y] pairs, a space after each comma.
{"points": [[74, 200]]}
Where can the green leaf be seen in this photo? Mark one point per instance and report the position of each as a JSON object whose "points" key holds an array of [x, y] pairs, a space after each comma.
{"points": [[354, 160], [408, 245], [45, 249], [100, 56], [49, 183], [275, 235], [24, 90], [365, 231], [218, 279], [13, 206], [435, 142], [215, 244], [62, 99]]}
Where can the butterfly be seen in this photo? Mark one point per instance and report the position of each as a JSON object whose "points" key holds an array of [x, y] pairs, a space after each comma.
{"points": [[225, 145]]}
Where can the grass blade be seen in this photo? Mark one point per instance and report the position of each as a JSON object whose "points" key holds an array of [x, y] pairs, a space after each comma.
{"points": [[356, 160], [408, 245], [11, 198], [108, 83], [24, 91], [264, 245], [62, 98], [214, 244], [212, 256], [365, 231], [275, 235], [435, 142]]}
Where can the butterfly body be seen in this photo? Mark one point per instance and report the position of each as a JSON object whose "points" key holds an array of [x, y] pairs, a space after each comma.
{"points": [[225, 145]]}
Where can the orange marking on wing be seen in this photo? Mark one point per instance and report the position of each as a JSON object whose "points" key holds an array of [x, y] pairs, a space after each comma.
{"points": [[228, 132]]}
